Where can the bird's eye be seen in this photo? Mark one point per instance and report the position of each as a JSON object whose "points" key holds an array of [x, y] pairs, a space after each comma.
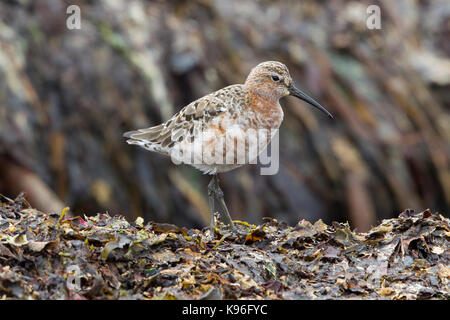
{"points": [[275, 78]]}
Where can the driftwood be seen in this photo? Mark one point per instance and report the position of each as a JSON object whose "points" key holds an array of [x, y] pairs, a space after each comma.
{"points": [[48, 256]]}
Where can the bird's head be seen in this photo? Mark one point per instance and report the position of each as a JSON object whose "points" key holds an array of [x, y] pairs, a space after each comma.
{"points": [[272, 80]]}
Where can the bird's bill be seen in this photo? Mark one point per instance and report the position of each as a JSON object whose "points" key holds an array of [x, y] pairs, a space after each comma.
{"points": [[293, 91]]}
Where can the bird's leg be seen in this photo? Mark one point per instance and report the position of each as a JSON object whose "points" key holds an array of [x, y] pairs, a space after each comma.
{"points": [[211, 196], [219, 197], [216, 194]]}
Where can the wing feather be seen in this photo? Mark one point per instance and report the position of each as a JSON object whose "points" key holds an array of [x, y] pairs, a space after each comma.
{"points": [[184, 124]]}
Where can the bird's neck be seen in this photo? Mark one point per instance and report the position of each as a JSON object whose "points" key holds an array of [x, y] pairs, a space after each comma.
{"points": [[267, 110]]}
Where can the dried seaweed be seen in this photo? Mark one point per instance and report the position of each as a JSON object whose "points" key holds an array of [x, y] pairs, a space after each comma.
{"points": [[402, 258]]}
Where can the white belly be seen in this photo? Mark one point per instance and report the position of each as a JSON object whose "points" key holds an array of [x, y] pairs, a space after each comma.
{"points": [[225, 144]]}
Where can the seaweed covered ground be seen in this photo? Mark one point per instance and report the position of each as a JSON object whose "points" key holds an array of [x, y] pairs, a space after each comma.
{"points": [[53, 256]]}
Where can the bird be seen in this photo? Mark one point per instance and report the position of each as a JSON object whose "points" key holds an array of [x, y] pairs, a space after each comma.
{"points": [[200, 132]]}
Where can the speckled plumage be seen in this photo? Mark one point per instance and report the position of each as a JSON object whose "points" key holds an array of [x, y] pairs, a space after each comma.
{"points": [[224, 116]]}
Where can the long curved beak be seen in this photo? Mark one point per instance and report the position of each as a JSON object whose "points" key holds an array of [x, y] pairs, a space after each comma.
{"points": [[293, 91]]}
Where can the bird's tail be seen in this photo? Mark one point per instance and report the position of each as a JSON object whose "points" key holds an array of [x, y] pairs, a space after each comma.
{"points": [[132, 140], [146, 138]]}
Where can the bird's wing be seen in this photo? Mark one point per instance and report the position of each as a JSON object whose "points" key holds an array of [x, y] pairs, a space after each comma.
{"points": [[195, 116]]}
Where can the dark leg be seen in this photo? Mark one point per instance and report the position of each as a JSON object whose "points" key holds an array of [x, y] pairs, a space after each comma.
{"points": [[215, 195], [225, 214], [211, 202]]}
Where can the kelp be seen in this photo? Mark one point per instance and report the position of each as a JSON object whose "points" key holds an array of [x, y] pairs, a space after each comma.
{"points": [[106, 257]]}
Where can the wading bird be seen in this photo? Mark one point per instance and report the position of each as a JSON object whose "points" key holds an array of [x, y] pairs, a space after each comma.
{"points": [[224, 117]]}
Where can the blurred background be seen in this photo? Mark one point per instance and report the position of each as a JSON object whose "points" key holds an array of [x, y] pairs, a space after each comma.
{"points": [[67, 96]]}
